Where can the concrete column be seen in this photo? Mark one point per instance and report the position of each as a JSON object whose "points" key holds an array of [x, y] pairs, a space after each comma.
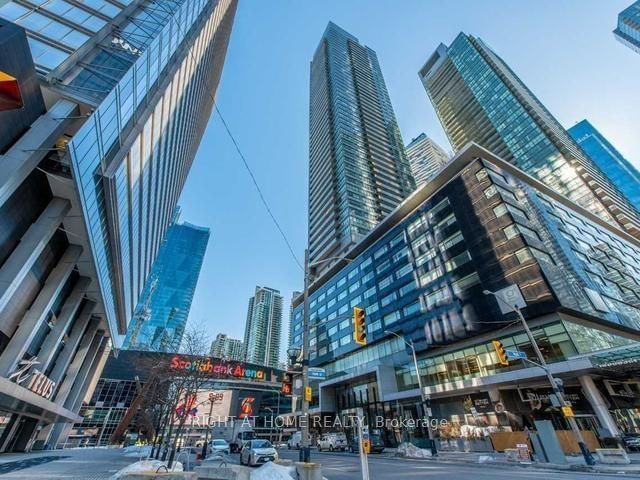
{"points": [[70, 346], [63, 322], [60, 431], [86, 345], [34, 317], [83, 374], [598, 404], [97, 360], [28, 250]]}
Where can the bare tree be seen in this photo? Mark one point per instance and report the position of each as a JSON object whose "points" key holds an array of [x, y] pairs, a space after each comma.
{"points": [[187, 382]]}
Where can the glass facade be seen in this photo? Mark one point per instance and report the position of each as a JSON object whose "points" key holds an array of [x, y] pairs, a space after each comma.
{"points": [[479, 99], [426, 157], [57, 28], [163, 310], [129, 179], [424, 276], [619, 170], [358, 171], [628, 31]]}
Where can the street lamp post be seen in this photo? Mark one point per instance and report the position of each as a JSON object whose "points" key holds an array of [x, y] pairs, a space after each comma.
{"points": [[588, 458], [425, 401]]}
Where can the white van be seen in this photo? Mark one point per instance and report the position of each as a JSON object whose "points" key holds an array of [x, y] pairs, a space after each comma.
{"points": [[295, 441]]}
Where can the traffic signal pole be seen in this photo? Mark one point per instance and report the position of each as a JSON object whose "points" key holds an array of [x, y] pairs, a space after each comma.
{"points": [[588, 458]]}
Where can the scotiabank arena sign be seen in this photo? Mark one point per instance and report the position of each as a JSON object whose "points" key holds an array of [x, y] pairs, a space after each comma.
{"points": [[219, 368]]}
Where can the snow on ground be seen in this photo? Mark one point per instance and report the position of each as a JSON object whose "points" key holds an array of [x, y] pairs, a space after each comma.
{"points": [[140, 451], [272, 471], [409, 450], [146, 466]]}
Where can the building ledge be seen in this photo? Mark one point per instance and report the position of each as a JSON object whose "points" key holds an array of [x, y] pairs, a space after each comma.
{"points": [[17, 399]]}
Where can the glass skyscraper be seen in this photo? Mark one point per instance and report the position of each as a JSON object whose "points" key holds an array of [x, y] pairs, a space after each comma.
{"points": [[358, 171], [162, 313], [116, 96], [263, 329], [426, 157], [141, 75], [478, 98], [619, 170], [628, 31]]}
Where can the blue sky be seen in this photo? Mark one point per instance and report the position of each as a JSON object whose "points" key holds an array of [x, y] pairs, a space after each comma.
{"points": [[564, 51]]}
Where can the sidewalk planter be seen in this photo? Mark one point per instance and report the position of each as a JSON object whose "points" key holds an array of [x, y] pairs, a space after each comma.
{"points": [[615, 456], [309, 471], [233, 472]]}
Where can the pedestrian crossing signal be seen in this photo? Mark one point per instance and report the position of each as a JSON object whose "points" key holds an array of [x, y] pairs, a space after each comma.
{"points": [[359, 326], [287, 384], [501, 352]]}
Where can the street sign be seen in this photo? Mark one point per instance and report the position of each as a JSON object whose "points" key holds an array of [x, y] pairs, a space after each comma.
{"points": [[567, 411], [514, 354], [317, 373], [510, 299], [308, 394]]}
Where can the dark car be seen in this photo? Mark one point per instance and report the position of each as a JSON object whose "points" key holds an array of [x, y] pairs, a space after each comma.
{"points": [[631, 442], [377, 444]]}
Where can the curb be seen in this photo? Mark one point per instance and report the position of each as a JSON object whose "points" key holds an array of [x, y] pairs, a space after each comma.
{"points": [[610, 470]]}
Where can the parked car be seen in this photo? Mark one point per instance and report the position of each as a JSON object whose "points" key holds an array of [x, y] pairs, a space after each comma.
{"points": [[332, 442], [257, 452], [631, 442], [219, 445], [377, 444]]}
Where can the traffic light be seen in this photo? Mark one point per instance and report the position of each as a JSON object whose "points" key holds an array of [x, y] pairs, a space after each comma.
{"points": [[287, 384], [359, 326], [501, 352]]}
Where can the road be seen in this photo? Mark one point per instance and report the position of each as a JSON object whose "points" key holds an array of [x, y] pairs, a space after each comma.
{"points": [[346, 466], [102, 463]]}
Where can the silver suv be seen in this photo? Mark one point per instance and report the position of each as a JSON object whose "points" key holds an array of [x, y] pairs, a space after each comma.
{"points": [[333, 442]]}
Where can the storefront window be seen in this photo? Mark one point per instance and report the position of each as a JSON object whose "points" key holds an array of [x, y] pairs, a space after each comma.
{"points": [[481, 360]]}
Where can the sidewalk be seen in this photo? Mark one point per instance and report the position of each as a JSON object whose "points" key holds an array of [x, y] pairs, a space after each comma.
{"points": [[574, 463]]}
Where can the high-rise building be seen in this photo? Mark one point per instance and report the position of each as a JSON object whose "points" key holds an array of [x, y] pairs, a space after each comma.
{"points": [[163, 310], [481, 225], [478, 98], [293, 297], [263, 328], [628, 31], [617, 168], [426, 157], [358, 171], [227, 348], [116, 97]]}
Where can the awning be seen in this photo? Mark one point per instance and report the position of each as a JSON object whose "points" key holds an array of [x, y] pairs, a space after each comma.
{"points": [[624, 359], [17, 399]]}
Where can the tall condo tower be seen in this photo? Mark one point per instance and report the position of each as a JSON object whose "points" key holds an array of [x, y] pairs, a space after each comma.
{"points": [[426, 158], [478, 98], [264, 327], [358, 170]]}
